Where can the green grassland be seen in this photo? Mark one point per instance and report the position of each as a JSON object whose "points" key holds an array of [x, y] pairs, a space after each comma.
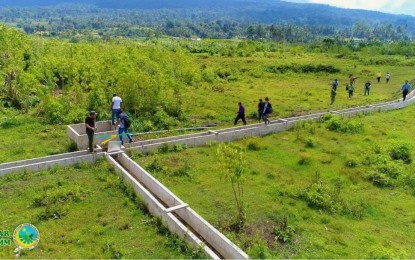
{"points": [[24, 137], [66, 205], [291, 93], [345, 186], [334, 183]]}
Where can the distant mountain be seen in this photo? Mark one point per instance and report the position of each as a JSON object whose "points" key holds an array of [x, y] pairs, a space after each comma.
{"points": [[246, 11], [29, 3]]}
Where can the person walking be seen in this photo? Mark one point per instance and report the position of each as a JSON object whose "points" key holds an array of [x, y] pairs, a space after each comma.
{"points": [[124, 123], [260, 109], [333, 94], [240, 114], [388, 76], [405, 89], [335, 84], [367, 87], [350, 89], [115, 106], [267, 110], [379, 75], [90, 129]]}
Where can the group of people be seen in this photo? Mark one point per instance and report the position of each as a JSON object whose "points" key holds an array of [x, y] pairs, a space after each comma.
{"points": [[379, 76], [350, 87], [264, 109], [119, 119]]}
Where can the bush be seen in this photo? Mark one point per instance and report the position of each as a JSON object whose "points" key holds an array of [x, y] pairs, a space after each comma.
{"points": [[164, 148], [183, 171], [401, 152], [385, 175], [336, 124], [304, 160], [302, 68], [155, 166], [284, 232], [309, 143], [253, 146], [72, 147], [351, 163]]}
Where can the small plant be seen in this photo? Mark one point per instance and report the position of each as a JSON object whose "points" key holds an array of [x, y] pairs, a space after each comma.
{"points": [[164, 148], [155, 166], [183, 171], [309, 143], [340, 125], [401, 152], [72, 147], [304, 160], [253, 146], [351, 163], [284, 232], [112, 251]]}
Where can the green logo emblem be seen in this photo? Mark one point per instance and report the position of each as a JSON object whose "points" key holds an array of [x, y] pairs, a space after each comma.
{"points": [[26, 236]]}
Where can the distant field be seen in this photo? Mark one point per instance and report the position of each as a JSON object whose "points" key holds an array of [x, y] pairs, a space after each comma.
{"points": [[84, 212], [291, 93], [344, 191]]}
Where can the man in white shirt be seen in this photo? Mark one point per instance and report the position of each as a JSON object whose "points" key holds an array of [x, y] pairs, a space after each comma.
{"points": [[115, 106]]}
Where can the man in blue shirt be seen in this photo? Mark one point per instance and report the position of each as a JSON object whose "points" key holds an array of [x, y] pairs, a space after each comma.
{"points": [[405, 89]]}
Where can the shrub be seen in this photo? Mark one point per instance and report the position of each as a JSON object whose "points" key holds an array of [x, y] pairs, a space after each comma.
{"points": [[155, 166], [183, 171], [336, 124], [351, 163], [164, 148], [284, 232], [401, 152], [253, 146], [72, 147], [385, 175], [309, 143], [302, 68], [304, 160]]}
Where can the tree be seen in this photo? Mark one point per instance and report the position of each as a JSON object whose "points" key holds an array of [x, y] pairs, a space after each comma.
{"points": [[232, 169]]}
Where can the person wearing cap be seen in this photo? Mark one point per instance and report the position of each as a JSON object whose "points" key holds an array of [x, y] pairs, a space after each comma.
{"points": [[90, 129], [115, 106]]}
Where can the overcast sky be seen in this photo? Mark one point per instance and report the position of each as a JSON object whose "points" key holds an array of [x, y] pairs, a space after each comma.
{"points": [[387, 6]]}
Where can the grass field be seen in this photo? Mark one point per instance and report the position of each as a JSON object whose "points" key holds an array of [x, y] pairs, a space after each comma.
{"points": [[248, 79], [25, 136], [66, 205], [340, 190], [329, 193]]}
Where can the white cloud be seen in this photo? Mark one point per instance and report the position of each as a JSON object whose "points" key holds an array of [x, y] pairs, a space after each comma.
{"points": [[387, 6]]}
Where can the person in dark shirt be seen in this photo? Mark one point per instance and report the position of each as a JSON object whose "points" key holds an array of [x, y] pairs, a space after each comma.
{"points": [[367, 87], [90, 129], [241, 114], [335, 84], [267, 110], [260, 109]]}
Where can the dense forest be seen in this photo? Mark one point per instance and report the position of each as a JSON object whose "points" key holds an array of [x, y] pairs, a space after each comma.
{"points": [[277, 20]]}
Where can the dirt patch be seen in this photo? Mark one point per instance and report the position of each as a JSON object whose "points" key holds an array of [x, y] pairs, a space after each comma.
{"points": [[263, 230]]}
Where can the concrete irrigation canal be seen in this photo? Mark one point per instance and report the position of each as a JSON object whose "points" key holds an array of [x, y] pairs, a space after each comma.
{"points": [[160, 201]]}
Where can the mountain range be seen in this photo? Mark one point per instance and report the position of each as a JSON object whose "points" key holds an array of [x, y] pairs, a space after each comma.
{"points": [[248, 11]]}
